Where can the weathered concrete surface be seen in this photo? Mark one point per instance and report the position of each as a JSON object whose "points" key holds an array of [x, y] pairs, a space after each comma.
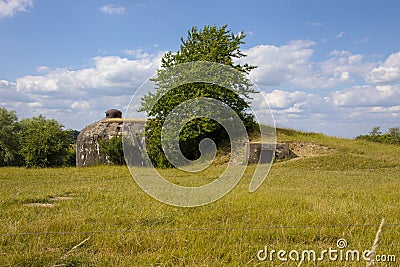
{"points": [[283, 151], [88, 150], [264, 153], [87, 144]]}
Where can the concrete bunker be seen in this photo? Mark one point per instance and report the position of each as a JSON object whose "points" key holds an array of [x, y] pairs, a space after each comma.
{"points": [[87, 144]]}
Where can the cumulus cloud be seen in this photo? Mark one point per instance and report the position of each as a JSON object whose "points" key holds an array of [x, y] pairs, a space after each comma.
{"points": [[280, 99], [387, 72], [6, 84], [110, 75], [356, 93], [292, 64], [341, 61], [288, 76], [8, 93], [279, 65], [8, 8], [87, 92], [81, 105], [35, 105], [293, 109], [112, 9], [368, 96], [342, 67]]}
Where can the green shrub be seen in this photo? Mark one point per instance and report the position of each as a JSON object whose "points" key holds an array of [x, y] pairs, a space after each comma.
{"points": [[44, 143], [113, 149], [9, 139], [70, 157], [391, 137]]}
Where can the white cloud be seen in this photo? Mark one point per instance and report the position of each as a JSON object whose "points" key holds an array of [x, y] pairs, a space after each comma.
{"points": [[298, 102], [293, 109], [351, 92], [342, 60], [136, 53], [112, 9], [317, 24], [340, 35], [70, 95], [279, 65], [110, 75], [8, 93], [279, 99], [6, 84], [368, 96], [341, 67], [387, 72], [292, 64], [35, 105], [393, 110], [383, 116], [81, 105], [42, 69], [8, 8]]}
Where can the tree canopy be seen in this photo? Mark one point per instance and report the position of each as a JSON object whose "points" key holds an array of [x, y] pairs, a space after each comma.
{"points": [[34, 142], [44, 143], [9, 141], [211, 44]]}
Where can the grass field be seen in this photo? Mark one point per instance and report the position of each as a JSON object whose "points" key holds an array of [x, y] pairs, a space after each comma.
{"points": [[304, 204]]}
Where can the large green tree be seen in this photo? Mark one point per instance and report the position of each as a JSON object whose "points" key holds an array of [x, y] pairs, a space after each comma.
{"points": [[9, 138], [211, 44], [44, 142]]}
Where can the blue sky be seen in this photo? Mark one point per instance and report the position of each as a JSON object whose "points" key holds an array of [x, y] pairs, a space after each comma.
{"points": [[324, 66]]}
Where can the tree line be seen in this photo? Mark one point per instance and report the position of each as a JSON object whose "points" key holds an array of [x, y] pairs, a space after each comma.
{"points": [[35, 142], [392, 136], [41, 142]]}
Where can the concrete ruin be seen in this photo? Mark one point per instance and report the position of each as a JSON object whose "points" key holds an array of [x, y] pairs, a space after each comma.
{"points": [[87, 144], [266, 153], [88, 149]]}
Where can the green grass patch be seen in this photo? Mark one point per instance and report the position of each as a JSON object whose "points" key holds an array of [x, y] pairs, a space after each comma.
{"points": [[307, 203]]}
